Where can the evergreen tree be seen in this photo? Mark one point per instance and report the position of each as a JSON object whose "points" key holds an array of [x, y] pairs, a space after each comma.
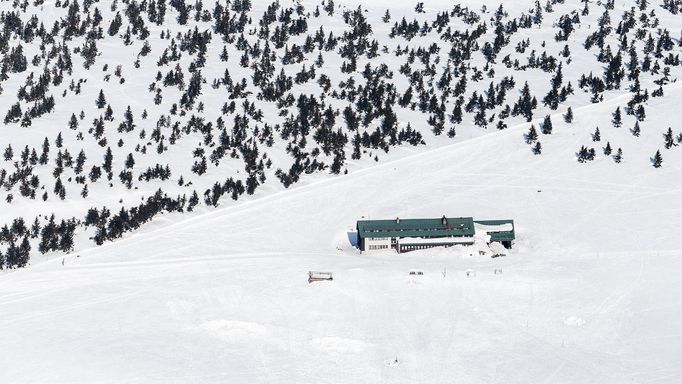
{"points": [[617, 119], [44, 157], [636, 129], [80, 161], [532, 135], [387, 17], [640, 113], [537, 149], [14, 257], [669, 140], [607, 149], [115, 25], [586, 154], [356, 147], [23, 253], [130, 161], [101, 101], [596, 136], [568, 117], [547, 126], [618, 157], [526, 103], [9, 153], [108, 158], [658, 159]]}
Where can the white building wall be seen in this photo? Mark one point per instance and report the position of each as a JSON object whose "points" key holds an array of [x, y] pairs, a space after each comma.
{"points": [[377, 243]]}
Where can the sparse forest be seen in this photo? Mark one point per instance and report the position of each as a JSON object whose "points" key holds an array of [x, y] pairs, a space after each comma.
{"points": [[114, 113]]}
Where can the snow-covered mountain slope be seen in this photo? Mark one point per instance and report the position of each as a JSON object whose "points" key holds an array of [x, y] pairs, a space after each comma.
{"points": [[341, 111], [589, 294], [116, 112]]}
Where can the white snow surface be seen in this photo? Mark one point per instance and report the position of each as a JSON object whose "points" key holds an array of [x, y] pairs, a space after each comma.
{"points": [[494, 228], [422, 240], [591, 293]]}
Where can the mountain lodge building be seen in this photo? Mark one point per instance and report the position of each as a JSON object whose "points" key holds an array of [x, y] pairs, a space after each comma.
{"points": [[405, 235]]}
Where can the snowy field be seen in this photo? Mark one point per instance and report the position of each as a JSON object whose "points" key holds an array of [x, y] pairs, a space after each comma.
{"points": [[590, 294]]}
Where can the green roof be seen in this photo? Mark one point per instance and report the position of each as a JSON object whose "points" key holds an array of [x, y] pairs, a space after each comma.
{"points": [[454, 226], [499, 235]]}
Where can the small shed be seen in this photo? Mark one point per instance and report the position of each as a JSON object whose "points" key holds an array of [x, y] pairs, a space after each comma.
{"points": [[319, 276]]}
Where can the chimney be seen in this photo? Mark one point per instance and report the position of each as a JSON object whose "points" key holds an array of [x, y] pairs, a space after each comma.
{"points": [[397, 220], [444, 220]]}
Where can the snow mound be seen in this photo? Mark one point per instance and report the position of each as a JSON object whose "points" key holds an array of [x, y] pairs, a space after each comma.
{"points": [[574, 321], [235, 330], [339, 344]]}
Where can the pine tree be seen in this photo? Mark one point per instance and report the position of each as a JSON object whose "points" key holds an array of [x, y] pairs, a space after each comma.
{"points": [[596, 136], [35, 228], [26, 120], [101, 101], [130, 161], [618, 157], [356, 147], [568, 117], [537, 149], [59, 189], [607, 149], [44, 157], [658, 159], [636, 130], [73, 121], [115, 25], [387, 17], [617, 118], [532, 135], [80, 161], [109, 113], [456, 117], [24, 252], [547, 126], [640, 113], [669, 139], [66, 228], [582, 154], [526, 103], [9, 153], [108, 158]]}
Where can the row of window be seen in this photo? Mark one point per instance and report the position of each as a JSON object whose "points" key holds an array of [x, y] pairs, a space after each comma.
{"points": [[415, 229], [415, 247], [378, 246]]}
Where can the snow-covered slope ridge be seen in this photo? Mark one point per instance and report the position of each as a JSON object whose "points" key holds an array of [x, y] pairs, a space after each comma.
{"points": [[586, 296], [219, 294], [117, 112]]}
